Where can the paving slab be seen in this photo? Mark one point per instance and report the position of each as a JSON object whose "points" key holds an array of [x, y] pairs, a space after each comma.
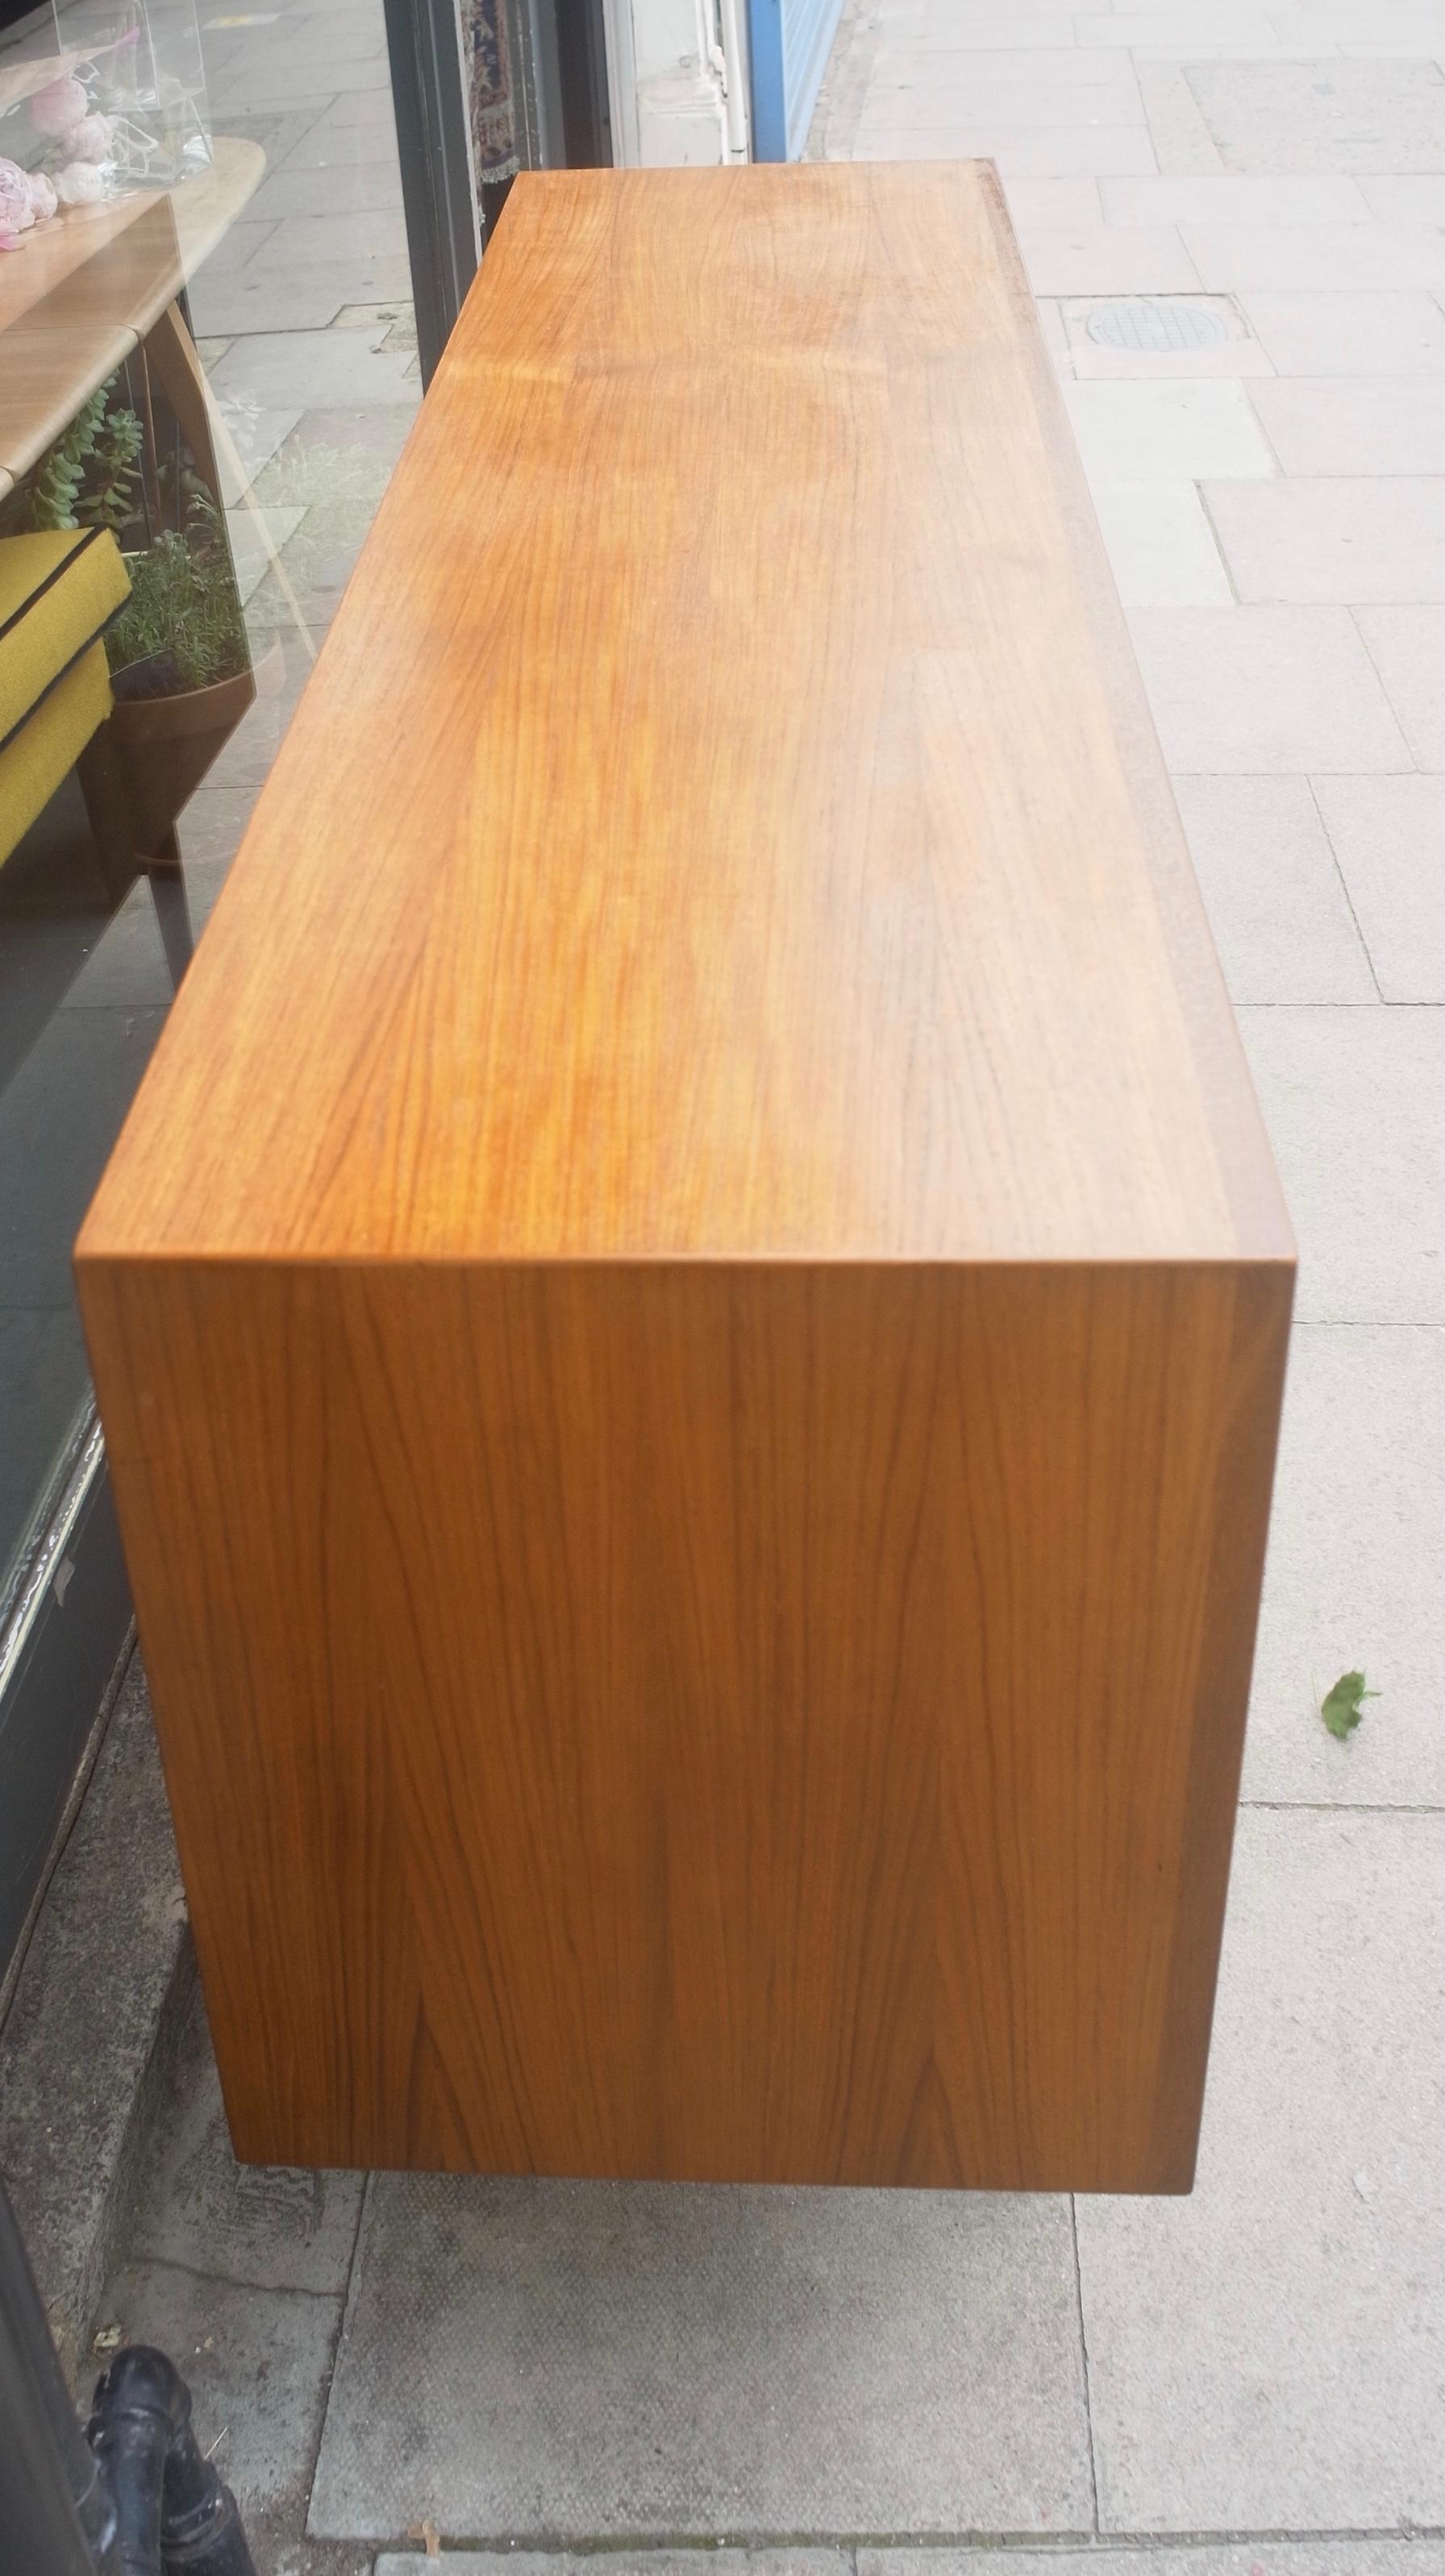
{"points": [[237, 245], [1389, 838], [1032, 87], [125, 966], [1265, 689], [912, 35], [1419, 24], [294, 295], [262, 2226], [1213, 26], [1311, 258], [925, 107], [1331, 115], [388, 323], [1355, 538], [1167, 432], [356, 124], [1173, 52], [1023, 151], [1405, 201], [1182, 141], [1353, 1576], [1053, 203], [305, 43], [321, 555], [359, 235], [1342, 425], [335, 145], [1352, 1099], [1224, 199], [1407, 648], [1161, 546], [268, 609], [333, 369], [1362, 46], [1371, 2557], [255, 436], [214, 822], [287, 2556], [364, 113], [254, 546], [545, 2361], [1276, 901], [350, 186], [1269, 2354], [351, 440], [256, 2363], [215, 817], [1105, 259], [270, 82], [97, 2011], [1367, 2557], [277, 130], [1353, 334], [637, 2562], [1056, 339]]}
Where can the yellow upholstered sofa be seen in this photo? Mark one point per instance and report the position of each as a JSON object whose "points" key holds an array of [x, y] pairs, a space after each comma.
{"points": [[58, 593], [59, 590]]}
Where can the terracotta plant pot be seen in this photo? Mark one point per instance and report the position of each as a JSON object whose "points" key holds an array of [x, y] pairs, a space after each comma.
{"points": [[167, 744]]}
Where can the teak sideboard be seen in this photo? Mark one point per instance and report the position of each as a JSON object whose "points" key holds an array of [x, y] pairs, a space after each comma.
{"points": [[690, 1316]]}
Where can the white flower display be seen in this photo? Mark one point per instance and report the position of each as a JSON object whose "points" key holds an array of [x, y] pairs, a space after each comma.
{"points": [[80, 183]]}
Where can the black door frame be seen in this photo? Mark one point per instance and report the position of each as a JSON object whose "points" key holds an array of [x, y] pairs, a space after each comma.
{"points": [[428, 88]]}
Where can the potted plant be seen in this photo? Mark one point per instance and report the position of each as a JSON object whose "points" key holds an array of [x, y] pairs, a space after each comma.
{"points": [[180, 666], [179, 653]]}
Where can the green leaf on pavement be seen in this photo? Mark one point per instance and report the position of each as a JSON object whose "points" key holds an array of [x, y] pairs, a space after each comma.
{"points": [[1343, 1706]]}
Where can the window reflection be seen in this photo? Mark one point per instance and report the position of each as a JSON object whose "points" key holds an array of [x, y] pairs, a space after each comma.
{"points": [[207, 369]]}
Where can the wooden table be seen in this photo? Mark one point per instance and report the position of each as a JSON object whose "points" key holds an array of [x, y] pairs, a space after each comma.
{"points": [[95, 283], [690, 1315], [87, 288]]}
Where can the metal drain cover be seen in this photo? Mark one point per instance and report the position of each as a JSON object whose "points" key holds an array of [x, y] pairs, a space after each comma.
{"points": [[1151, 324]]}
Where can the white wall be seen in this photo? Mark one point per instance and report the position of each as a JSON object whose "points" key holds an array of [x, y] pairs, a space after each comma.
{"points": [[677, 97]]}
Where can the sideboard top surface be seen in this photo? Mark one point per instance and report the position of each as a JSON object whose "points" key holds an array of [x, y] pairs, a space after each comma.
{"points": [[724, 821]]}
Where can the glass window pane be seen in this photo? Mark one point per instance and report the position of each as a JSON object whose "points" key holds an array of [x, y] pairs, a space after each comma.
{"points": [[207, 370]]}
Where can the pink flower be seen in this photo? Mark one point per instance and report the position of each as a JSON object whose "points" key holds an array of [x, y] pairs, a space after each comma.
{"points": [[43, 199], [60, 105], [90, 139], [17, 213]]}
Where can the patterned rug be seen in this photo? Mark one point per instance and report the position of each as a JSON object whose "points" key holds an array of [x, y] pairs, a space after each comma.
{"points": [[487, 42]]}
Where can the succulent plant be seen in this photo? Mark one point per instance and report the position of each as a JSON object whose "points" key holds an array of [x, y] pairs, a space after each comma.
{"points": [[59, 478]]}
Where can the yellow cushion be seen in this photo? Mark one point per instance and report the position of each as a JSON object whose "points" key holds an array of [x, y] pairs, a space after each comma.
{"points": [[34, 763], [57, 592]]}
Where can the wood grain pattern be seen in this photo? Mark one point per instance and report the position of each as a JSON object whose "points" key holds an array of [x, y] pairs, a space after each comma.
{"points": [[690, 1315]]}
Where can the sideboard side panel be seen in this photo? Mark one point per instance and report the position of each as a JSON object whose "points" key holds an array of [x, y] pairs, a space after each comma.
{"points": [[764, 1722]]}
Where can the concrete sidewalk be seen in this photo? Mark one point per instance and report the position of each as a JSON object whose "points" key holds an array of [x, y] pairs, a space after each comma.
{"points": [[1234, 214]]}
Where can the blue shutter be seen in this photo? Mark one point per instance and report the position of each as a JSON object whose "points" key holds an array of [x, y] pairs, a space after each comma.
{"points": [[788, 42]]}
